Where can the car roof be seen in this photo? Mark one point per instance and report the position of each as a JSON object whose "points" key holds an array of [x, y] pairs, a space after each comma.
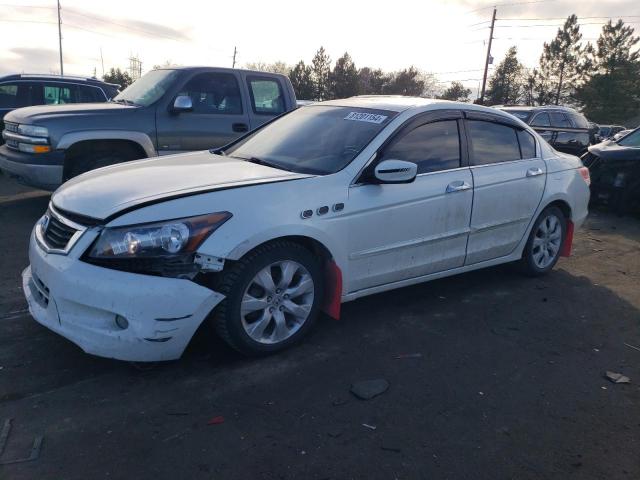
{"points": [[218, 69], [57, 78], [530, 108]]}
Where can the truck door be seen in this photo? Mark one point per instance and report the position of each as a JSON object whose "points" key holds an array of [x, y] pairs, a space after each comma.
{"points": [[219, 115], [267, 99]]}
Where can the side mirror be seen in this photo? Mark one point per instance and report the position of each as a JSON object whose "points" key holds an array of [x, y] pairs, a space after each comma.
{"points": [[182, 103], [396, 171]]}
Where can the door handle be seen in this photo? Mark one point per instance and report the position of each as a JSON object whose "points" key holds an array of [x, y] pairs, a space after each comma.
{"points": [[458, 186], [240, 127], [534, 172]]}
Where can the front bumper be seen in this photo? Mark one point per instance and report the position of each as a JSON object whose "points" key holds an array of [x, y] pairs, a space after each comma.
{"points": [[43, 170], [80, 302]]}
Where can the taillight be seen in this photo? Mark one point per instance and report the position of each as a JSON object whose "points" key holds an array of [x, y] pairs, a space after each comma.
{"points": [[584, 172]]}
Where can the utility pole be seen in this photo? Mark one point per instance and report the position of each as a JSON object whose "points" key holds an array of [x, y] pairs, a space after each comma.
{"points": [[486, 63], [60, 39], [235, 51], [102, 62]]}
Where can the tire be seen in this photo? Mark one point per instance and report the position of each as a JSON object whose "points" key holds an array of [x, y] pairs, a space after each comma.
{"points": [[261, 331], [102, 158], [534, 261]]}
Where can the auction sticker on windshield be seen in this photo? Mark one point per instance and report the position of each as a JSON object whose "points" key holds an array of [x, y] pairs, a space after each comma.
{"points": [[366, 117]]}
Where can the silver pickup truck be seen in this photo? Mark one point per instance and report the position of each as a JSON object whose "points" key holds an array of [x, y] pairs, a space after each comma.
{"points": [[166, 111]]}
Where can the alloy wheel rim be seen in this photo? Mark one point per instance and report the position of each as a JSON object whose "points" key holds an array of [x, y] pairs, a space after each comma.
{"points": [[277, 302], [547, 241]]}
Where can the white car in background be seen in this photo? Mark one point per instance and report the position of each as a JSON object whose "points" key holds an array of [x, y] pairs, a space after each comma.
{"points": [[326, 204]]}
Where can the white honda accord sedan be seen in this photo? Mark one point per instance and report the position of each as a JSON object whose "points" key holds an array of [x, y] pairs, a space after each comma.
{"points": [[326, 204]]}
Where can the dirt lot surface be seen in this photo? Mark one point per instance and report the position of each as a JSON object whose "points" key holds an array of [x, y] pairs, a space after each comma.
{"points": [[508, 383]]}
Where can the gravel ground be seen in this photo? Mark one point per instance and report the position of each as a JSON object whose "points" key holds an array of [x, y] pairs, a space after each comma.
{"points": [[507, 384]]}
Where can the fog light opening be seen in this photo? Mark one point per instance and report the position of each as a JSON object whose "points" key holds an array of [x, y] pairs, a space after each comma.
{"points": [[122, 322]]}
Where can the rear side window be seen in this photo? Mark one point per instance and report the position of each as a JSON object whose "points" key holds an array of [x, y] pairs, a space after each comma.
{"points": [[57, 94], [527, 144], [541, 120], [492, 142], [20, 94], [432, 147], [579, 120], [214, 93], [559, 120], [266, 96]]}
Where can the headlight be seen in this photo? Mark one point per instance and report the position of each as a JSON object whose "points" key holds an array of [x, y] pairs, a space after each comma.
{"points": [[33, 131], [157, 240]]}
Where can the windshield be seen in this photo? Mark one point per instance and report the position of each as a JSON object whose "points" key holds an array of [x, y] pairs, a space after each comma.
{"points": [[521, 114], [315, 139], [631, 139], [148, 88]]}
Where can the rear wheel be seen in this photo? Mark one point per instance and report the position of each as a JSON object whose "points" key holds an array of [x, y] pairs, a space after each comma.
{"points": [[272, 298], [545, 242]]}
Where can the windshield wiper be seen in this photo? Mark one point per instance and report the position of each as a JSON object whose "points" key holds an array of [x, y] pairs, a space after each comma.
{"points": [[261, 161]]}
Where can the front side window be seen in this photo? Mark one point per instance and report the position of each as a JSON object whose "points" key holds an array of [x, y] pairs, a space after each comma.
{"points": [[86, 94], [316, 139], [492, 142], [541, 120], [214, 93], [266, 96], [149, 88], [559, 120], [432, 147]]}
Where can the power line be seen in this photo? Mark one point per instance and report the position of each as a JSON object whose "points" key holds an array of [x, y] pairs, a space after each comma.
{"points": [[507, 5], [551, 25], [564, 18]]}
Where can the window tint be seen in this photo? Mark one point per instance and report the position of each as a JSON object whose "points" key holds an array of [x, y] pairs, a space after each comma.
{"points": [[216, 93], [433, 146], [492, 142], [559, 120], [16, 95], [541, 120], [266, 96], [527, 144]]}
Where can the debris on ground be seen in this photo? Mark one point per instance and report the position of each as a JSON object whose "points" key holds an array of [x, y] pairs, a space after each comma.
{"points": [[616, 377], [339, 401], [216, 420], [371, 427], [335, 432], [368, 389], [408, 355], [388, 448], [632, 346]]}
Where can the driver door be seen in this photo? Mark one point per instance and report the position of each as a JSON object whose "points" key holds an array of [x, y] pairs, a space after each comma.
{"points": [[402, 231]]}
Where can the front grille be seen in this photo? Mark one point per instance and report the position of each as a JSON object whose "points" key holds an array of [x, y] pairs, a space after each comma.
{"points": [[11, 127], [57, 234]]}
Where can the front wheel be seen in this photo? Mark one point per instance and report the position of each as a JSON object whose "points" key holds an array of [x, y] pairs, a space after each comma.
{"points": [[545, 242], [272, 299]]}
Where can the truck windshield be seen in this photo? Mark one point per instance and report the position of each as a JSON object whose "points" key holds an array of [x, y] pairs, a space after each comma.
{"points": [[316, 139], [148, 88], [631, 139]]}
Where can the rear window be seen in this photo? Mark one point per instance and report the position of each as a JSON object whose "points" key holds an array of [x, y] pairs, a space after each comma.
{"points": [[266, 96]]}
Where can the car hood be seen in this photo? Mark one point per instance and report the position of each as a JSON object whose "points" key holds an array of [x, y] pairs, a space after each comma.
{"points": [[611, 151], [105, 192], [41, 113]]}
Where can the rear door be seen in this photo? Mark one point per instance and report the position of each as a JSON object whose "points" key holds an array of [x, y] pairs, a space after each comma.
{"points": [[219, 114], [509, 179], [267, 98], [397, 232], [541, 123]]}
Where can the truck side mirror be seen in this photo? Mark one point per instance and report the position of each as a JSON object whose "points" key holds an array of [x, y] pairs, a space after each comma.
{"points": [[182, 103]]}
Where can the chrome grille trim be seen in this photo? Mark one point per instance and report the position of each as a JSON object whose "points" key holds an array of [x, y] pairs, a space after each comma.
{"points": [[59, 235]]}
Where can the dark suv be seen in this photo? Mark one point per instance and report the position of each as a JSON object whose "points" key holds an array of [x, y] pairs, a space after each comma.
{"points": [[565, 129], [24, 90]]}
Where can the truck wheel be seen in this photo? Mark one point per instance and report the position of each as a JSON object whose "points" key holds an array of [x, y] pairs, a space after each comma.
{"points": [[273, 296], [545, 242], [101, 158]]}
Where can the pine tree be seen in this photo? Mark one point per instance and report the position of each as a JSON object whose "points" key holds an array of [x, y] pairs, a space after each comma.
{"points": [[301, 78], [505, 85], [117, 76], [321, 68], [611, 94], [405, 82], [344, 78], [456, 92], [562, 65], [372, 82]]}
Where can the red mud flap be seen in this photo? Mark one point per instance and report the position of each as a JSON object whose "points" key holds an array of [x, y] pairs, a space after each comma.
{"points": [[565, 251], [332, 290]]}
